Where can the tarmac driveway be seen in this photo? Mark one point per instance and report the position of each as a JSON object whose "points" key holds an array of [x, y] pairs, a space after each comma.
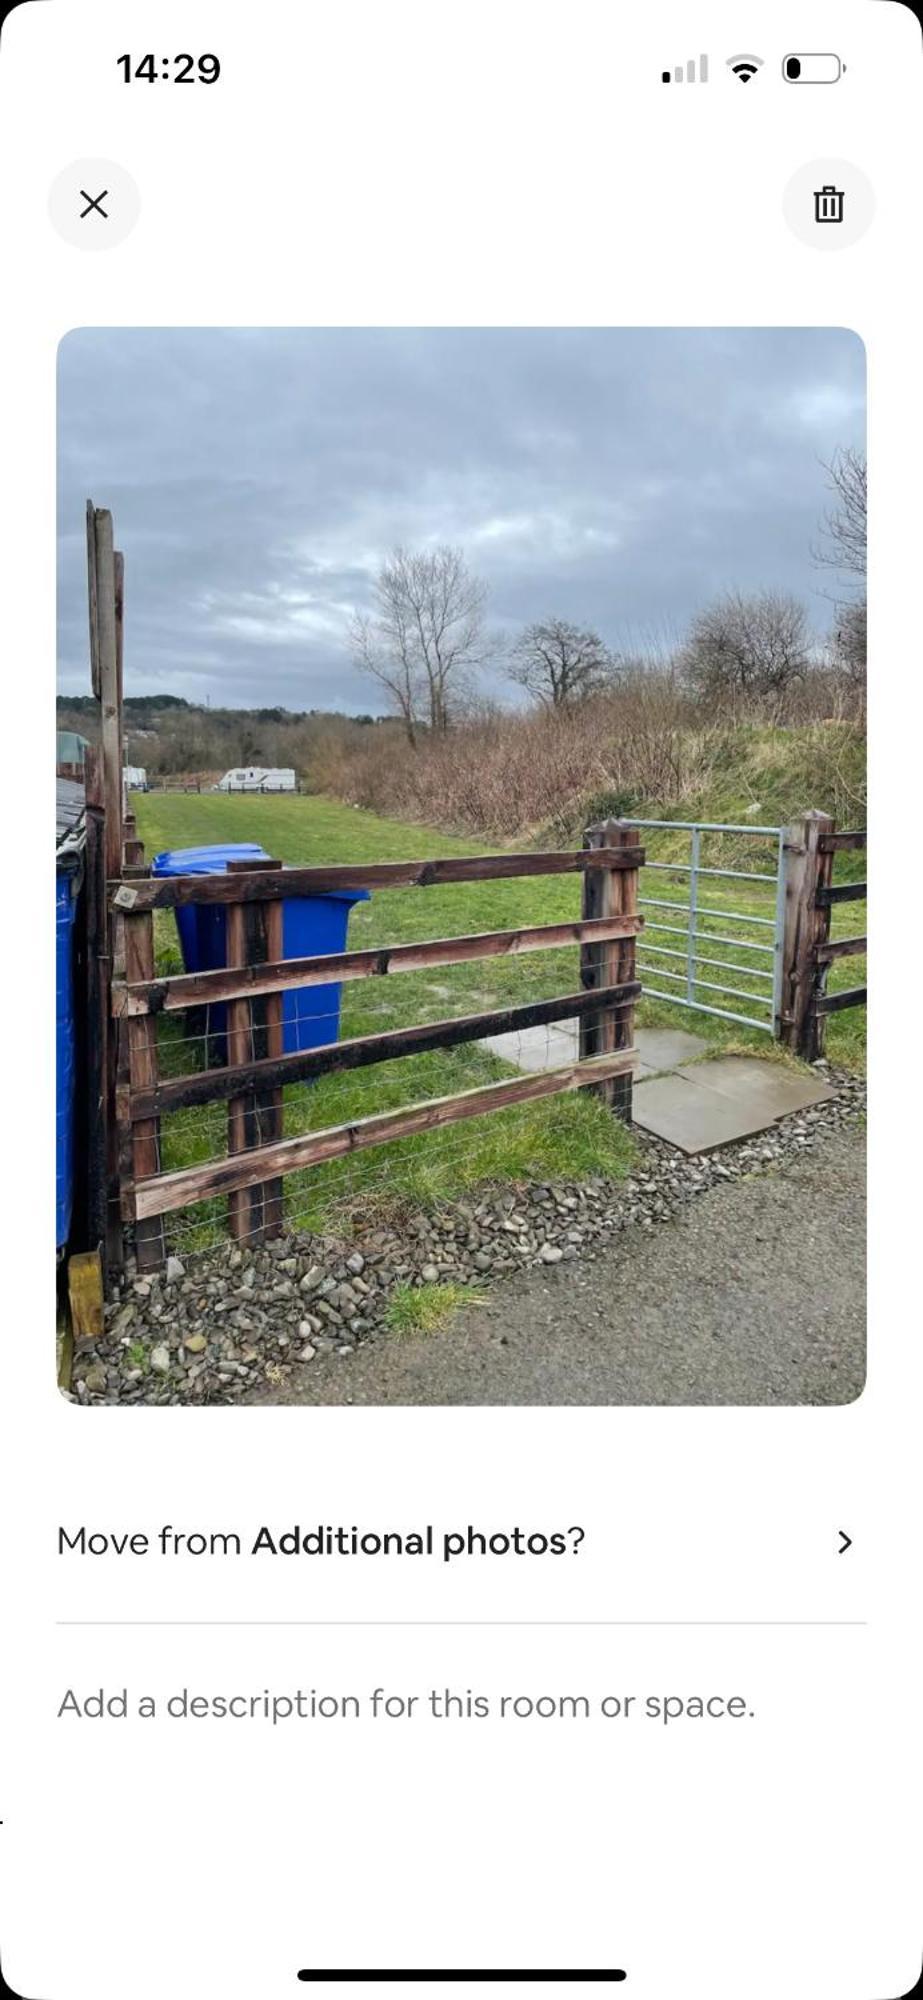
{"points": [[754, 1293]]}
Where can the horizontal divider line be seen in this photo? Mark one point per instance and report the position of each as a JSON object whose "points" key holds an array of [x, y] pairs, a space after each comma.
{"points": [[210, 1086], [161, 1193], [164, 892], [201, 989]]}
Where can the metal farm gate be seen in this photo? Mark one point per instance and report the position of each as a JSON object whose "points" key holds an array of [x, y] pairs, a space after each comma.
{"points": [[749, 943]]}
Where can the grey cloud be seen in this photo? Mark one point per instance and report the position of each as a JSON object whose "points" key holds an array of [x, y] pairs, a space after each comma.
{"points": [[620, 477]]}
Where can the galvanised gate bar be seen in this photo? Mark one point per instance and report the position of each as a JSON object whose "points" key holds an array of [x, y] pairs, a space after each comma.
{"points": [[764, 966], [689, 927]]}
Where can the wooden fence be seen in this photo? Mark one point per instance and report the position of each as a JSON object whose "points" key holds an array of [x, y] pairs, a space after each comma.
{"points": [[256, 978]]}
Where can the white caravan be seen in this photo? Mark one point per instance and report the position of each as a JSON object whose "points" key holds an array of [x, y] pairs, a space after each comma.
{"points": [[256, 778]]}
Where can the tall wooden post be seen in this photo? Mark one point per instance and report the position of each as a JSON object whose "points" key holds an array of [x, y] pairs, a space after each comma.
{"points": [[106, 588], [609, 892], [99, 1162], [118, 567], [255, 1030], [807, 869], [93, 599]]}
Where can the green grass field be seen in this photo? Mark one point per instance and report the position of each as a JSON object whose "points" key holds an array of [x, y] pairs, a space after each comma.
{"points": [[567, 1136]]}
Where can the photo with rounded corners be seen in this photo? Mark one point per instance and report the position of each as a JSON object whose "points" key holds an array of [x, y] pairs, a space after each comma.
{"points": [[460, 887]]}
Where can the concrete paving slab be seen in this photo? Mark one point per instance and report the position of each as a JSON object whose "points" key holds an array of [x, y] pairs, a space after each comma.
{"points": [[551, 1047], [666, 1048], [689, 1115], [531, 1049], [768, 1089]]}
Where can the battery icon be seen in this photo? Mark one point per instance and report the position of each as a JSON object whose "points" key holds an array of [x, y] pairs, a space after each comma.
{"points": [[812, 69]]}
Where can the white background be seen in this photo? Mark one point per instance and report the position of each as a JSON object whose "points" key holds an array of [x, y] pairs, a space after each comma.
{"points": [[761, 1857]]}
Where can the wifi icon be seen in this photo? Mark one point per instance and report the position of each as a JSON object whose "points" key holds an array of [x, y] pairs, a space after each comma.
{"points": [[743, 67]]}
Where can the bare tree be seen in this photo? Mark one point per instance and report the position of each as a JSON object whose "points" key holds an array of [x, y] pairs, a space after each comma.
{"points": [[561, 664], [385, 657], [845, 525], [850, 641], [747, 645], [844, 548], [424, 639]]}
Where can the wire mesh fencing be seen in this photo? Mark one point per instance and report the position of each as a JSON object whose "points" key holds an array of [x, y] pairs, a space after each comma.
{"points": [[229, 1109]]}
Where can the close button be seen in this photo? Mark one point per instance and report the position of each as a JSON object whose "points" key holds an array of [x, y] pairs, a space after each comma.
{"points": [[94, 204]]}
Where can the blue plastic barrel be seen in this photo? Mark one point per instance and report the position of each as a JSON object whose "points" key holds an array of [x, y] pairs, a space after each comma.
{"points": [[66, 888], [310, 925]]}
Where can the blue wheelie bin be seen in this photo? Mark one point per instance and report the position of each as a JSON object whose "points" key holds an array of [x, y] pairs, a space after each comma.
{"points": [[310, 925]]}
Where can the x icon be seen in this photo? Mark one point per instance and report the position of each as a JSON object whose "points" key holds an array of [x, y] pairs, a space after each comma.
{"points": [[94, 201]]}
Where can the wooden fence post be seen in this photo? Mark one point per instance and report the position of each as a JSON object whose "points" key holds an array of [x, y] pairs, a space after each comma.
{"points": [[140, 1057], [609, 892], [255, 1030], [807, 869], [103, 1225], [93, 600], [106, 586]]}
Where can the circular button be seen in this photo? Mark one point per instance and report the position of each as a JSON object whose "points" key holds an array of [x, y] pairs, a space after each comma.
{"points": [[94, 204], [829, 204]]}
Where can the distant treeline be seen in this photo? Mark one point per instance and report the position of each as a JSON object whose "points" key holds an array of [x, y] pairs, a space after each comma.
{"points": [[168, 735]]}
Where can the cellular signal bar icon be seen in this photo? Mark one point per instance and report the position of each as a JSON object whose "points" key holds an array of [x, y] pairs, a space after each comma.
{"points": [[686, 72]]}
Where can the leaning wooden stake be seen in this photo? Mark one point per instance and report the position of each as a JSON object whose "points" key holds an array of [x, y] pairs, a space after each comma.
{"points": [[106, 584], [255, 1031], [610, 892], [807, 927]]}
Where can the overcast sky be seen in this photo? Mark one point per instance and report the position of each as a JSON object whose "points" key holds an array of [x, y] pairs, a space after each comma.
{"points": [[257, 478]]}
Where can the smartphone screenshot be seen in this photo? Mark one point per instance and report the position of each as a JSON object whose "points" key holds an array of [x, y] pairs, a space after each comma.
{"points": [[460, 541]]}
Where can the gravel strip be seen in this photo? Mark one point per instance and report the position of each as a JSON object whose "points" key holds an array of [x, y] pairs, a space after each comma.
{"points": [[235, 1325]]}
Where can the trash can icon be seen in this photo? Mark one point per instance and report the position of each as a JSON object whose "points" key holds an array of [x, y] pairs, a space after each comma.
{"points": [[828, 204]]}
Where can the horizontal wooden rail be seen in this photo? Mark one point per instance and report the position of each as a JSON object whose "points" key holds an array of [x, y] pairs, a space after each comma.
{"points": [[162, 892], [836, 1003], [838, 843], [841, 892], [832, 1003], [853, 947], [303, 1065], [201, 989], [166, 1192]]}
